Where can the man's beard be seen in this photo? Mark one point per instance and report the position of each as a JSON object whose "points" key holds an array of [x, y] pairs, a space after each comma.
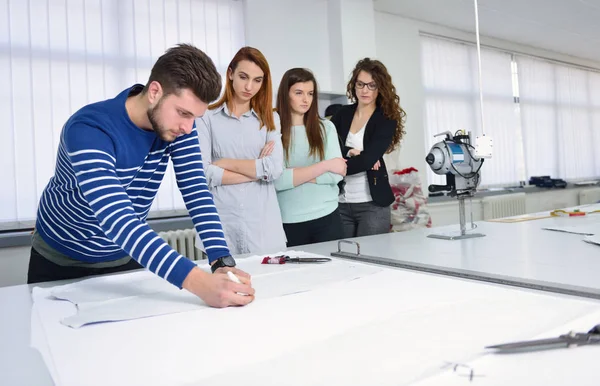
{"points": [[160, 130]]}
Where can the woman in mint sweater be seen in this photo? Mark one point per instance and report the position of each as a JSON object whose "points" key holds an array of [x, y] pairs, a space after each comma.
{"points": [[307, 190]]}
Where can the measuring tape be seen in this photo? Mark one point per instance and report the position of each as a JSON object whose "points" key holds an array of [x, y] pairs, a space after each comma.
{"points": [[574, 213]]}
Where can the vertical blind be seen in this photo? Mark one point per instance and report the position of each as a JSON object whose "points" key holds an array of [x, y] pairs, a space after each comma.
{"points": [[59, 55], [544, 116], [450, 79], [560, 113]]}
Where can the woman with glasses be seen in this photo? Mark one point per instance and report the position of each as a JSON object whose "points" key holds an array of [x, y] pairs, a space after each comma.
{"points": [[369, 128]]}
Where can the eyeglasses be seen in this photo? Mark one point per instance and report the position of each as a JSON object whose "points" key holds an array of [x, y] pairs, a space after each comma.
{"points": [[371, 86]]}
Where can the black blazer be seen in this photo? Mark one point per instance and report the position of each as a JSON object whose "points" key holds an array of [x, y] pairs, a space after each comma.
{"points": [[379, 134]]}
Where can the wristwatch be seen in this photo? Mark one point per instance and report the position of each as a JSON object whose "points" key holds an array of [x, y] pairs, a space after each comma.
{"points": [[225, 261]]}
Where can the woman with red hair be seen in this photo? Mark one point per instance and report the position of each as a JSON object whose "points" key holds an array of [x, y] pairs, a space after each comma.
{"points": [[240, 139]]}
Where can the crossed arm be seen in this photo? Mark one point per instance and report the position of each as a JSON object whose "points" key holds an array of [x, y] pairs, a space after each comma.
{"points": [[368, 159], [229, 171], [329, 171], [237, 171]]}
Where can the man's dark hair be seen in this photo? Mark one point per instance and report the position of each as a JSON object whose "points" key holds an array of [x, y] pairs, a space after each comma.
{"points": [[185, 66]]}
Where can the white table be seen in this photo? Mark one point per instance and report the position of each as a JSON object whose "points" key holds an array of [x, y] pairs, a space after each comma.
{"points": [[407, 327], [19, 363], [520, 254], [520, 251]]}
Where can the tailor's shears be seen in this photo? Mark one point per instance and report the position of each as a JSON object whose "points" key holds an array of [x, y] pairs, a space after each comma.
{"points": [[572, 339]]}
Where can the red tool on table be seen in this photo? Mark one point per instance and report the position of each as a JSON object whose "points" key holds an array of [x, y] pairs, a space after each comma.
{"points": [[282, 259]]}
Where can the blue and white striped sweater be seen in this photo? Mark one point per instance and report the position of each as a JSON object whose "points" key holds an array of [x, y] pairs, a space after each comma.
{"points": [[107, 174]]}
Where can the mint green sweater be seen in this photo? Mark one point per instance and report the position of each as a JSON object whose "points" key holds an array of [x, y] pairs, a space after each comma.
{"points": [[308, 201]]}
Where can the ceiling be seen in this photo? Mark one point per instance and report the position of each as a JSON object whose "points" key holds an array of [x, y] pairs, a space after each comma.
{"points": [[569, 27]]}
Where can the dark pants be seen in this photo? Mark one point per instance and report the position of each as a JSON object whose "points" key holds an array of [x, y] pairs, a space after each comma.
{"points": [[365, 219], [319, 230], [42, 269]]}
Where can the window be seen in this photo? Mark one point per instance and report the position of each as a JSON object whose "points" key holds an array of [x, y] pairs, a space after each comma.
{"points": [[544, 116], [57, 56], [450, 79], [560, 114]]}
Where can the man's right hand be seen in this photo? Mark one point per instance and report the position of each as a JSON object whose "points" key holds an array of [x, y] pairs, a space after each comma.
{"points": [[217, 290]]}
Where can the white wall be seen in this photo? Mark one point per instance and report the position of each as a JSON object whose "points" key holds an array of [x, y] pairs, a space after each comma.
{"points": [[291, 34], [398, 47], [316, 34]]}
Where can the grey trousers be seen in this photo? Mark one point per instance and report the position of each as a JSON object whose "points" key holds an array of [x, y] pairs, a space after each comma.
{"points": [[364, 219]]}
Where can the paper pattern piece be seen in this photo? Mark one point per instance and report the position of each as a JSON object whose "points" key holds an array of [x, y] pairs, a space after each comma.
{"points": [[578, 230], [587, 226], [593, 239], [143, 294]]}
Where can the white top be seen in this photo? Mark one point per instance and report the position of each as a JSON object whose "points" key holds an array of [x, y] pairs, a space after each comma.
{"points": [[357, 186]]}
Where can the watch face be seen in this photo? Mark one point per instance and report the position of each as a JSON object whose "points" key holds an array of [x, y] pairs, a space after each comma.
{"points": [[228, 261]]}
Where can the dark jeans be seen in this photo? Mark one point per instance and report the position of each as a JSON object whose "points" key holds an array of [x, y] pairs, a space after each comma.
{"points": [[319, 230], [365, 219], [42, 269]]}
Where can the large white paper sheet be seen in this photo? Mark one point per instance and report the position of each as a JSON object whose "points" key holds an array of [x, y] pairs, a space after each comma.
{"points": [[388, 327]]}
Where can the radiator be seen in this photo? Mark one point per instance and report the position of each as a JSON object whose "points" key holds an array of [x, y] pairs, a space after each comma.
{"points": [[589, 196], [182, 241], [504, 205]]}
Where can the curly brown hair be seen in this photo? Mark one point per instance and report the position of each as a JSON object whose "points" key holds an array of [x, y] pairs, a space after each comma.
{"points": [[387, 98]]}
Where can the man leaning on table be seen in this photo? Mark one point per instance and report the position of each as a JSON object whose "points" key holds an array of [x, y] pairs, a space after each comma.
{"points": [[111, 159]]}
